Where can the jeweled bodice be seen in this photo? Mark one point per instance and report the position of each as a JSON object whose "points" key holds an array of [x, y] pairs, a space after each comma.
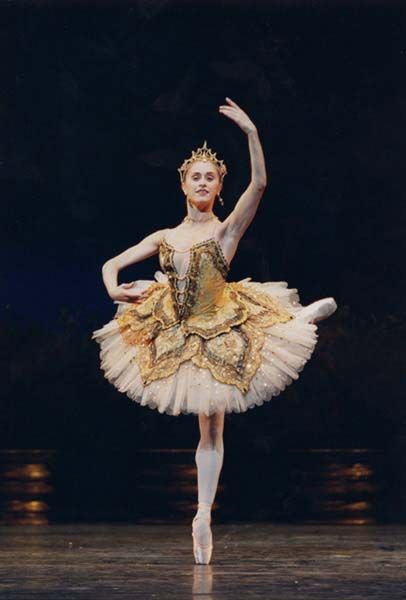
{"points": [[197, 280], [197, 315]]}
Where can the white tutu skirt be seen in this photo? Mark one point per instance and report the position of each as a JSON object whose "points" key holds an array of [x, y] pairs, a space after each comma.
{"points": [[192, 389]]}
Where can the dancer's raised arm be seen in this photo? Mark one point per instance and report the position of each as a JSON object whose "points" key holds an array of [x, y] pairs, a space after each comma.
{"points": [[246, 207], [144, 249]]}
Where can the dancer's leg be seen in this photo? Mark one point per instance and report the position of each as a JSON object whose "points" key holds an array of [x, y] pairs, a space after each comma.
{"points": [[319, 310], [209, 460]]}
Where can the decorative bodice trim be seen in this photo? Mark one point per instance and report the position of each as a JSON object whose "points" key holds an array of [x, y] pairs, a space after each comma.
{"points": [[200, 255]]}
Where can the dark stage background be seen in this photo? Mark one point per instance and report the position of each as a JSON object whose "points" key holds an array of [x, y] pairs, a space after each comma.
{"points": [[99, 104]]}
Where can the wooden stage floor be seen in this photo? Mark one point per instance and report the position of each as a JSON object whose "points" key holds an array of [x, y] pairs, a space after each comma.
{"points": [[250, 560]]}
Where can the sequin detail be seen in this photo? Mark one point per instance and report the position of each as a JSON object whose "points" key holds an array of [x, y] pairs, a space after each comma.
{"points": [[216, 324]]}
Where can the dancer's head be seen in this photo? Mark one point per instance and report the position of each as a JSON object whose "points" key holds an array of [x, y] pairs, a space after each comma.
{"points": [[202, 171]]}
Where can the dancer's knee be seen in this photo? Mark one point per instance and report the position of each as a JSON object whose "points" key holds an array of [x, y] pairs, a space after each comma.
{"points": [[211, 431]]}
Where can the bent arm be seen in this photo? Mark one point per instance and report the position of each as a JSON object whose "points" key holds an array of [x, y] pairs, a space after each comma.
{"points": [[149, 246], [244, 211]]}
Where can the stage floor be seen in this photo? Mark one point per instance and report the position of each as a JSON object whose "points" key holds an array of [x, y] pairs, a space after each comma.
{"points": [[250, 560]]}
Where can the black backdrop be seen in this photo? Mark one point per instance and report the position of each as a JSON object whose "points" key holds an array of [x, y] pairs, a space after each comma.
{"points": [[100, 103]]}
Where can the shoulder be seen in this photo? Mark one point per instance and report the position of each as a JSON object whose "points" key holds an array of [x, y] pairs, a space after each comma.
{"points": [[158, 236], [168, 231]]}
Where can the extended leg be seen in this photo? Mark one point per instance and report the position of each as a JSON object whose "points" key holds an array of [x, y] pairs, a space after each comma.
{"points": [[319, 310]]}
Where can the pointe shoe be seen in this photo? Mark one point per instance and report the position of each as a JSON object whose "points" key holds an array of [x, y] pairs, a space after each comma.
{"points": [[202, 553], [319, 310]]}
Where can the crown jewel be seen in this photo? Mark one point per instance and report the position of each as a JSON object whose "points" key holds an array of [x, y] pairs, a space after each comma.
{"points": [[203, 153]]}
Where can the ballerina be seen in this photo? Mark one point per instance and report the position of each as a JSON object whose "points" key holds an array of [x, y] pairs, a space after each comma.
{"points": [[189, 341]]}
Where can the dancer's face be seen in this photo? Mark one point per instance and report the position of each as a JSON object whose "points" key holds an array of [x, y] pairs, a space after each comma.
{"points": [[202, 184]]}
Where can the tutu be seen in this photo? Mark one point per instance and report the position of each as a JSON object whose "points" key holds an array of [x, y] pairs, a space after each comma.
{"points": [[199, 344]]}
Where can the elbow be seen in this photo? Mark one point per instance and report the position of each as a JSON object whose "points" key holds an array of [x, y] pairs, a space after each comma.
{"points": [[260, 182], [261, 185], [107, 264]]}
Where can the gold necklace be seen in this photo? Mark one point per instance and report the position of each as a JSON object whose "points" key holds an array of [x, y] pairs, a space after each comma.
{"points": [[189, 219]]}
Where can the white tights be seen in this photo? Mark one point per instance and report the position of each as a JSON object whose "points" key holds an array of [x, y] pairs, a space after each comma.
{"points": [[319, 310], [209, 462]]}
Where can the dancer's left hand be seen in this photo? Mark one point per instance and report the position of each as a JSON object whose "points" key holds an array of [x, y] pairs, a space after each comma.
{"points": [[236, 114]]}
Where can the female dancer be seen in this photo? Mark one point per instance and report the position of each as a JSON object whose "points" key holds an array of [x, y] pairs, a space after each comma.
{"points": [[191, 342]]}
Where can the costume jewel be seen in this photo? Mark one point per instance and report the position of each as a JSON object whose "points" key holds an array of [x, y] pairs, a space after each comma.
{"points": [[204, 153]]}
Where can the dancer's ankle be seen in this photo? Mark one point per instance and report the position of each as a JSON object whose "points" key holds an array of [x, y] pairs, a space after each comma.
{"points": [[204, 509]]}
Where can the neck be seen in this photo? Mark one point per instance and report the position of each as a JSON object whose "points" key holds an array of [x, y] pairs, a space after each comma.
{"points": [[199, 216]]}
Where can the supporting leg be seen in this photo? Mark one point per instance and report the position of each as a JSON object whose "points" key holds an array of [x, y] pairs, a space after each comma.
{"points": [[209, 461]]}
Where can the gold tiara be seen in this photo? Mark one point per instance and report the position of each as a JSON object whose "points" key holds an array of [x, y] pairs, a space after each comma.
{"points": [[203, 153]]}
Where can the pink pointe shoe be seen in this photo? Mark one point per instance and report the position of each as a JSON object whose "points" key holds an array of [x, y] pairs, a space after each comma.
{"points": [[319, 310], [202, 538]]}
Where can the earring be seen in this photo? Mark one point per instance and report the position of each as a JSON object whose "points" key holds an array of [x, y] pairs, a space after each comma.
{"points": [[221, 200]]}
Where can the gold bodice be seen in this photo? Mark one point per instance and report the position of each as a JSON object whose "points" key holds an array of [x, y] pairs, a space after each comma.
{"points": [[199, 316], [201, 289]]}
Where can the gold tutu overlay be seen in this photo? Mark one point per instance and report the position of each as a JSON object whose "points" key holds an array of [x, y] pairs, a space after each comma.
{"points": [[216, 324]]}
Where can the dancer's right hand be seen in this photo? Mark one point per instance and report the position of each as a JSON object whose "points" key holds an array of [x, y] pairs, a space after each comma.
{"points": [[124, 293]]}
